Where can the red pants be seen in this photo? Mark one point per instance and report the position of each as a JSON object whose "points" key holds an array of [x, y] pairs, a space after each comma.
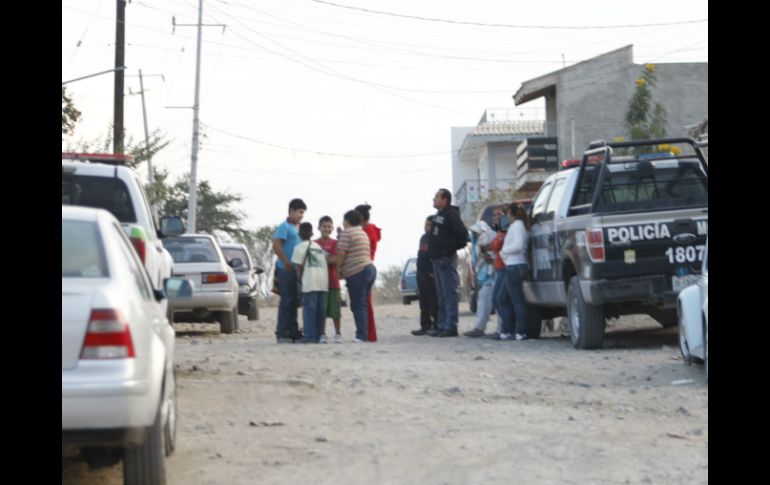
{"points": [[372, 331]]}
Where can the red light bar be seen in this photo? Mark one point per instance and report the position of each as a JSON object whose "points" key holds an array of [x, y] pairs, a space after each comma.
{"points": [[114, 158]]}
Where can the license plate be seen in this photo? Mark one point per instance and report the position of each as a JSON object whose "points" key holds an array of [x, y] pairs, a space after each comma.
{"points": [[679, 283]]}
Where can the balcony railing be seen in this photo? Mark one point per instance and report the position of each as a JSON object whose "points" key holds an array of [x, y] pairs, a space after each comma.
{"points": [[472, 192]]}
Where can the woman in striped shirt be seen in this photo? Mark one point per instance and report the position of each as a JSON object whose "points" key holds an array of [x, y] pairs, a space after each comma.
{"points": [[354, 263]]}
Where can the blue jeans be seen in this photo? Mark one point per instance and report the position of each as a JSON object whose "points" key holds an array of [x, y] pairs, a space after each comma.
{"points": [[287, 325], [359, 286], [313, 315], [499, 286], [510, 301], [447, 290]]}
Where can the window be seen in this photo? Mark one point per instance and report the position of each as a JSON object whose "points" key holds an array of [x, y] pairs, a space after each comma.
{"points": [[107, 193], [556, 196], [653, 185], [232, 253], [538, 206], [82, 251], [191, 249], [411, 267]]}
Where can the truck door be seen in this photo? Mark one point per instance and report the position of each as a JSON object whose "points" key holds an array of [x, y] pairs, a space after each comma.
{"points": [[554, 240], [542, 230]]}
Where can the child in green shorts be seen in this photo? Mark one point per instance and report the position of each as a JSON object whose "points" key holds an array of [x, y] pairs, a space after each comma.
{"points": [[329, 245]]}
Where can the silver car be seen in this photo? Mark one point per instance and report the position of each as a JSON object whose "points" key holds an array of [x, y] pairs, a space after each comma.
{"points": [[199, 258], [117, 355], [246, 273]]}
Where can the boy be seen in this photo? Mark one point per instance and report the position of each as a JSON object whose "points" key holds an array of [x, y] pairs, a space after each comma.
{"points": [[329, 246], [308, 257], [426, 286]]}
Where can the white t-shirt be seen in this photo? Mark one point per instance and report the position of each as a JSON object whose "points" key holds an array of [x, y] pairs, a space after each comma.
{"points": [[315, 275]]}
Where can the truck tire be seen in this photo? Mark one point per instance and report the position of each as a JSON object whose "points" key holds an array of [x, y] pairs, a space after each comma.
{"points": [[406, 300], [586, 321]]}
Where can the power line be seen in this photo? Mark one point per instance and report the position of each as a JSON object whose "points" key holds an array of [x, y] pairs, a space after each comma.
{"points": [[539, 27], [318, 152]]}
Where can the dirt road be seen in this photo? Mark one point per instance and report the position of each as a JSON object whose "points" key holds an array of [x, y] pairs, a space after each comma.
{"points": [[426, 410]]}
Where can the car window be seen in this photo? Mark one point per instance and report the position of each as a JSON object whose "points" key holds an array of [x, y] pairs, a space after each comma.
{"points": [[153, 234], [138, 270], [232, 253], [82, 251], [555, 200], [411, 267], [107, 193], [191, 249], [539, 205]]}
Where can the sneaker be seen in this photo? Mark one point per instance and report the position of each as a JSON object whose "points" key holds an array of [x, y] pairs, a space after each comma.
{"points": [[357, 340], [474, 333], [502, 336], [448, 333], [338, 339], [421, 331], [323, 339], [520, 336]]}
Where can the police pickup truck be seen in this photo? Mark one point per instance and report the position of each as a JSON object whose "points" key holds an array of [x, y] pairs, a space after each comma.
{"points": [[104, 181], [620, 233]]}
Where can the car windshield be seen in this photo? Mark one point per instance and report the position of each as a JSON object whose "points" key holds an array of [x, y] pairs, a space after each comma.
{"points": [[106, 193], [232, 253], [82, 254], [191, 249]]}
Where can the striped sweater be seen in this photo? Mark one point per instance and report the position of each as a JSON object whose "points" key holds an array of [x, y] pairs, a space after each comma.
{"points": [[355, 243]]}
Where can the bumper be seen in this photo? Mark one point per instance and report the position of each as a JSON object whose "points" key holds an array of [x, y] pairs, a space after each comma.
{"points": [[649, 290], [91, 408], [212, 301]]}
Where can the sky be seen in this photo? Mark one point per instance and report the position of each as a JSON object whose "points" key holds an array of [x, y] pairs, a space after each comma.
{"points": [[341, 106]]}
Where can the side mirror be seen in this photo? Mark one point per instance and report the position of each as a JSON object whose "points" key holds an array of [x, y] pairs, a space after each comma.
{"points": [[235, 263], [171, 226], [177, 288], [259, 271]]}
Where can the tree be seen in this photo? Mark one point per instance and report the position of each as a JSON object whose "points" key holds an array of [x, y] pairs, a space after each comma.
{"points": [[142, 150], [645, 119], [69, 114], [388, 287]]}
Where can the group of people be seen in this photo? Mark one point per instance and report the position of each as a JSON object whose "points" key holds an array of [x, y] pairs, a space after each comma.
{"points": [[308, 274], [501, 268]]}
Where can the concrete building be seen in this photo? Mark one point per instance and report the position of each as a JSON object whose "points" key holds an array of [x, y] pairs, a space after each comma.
{"points": [[588, 101]]}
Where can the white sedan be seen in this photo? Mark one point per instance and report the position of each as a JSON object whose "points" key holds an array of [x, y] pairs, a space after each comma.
{"points": [[693, 310], [117, 355], [199, 258]]}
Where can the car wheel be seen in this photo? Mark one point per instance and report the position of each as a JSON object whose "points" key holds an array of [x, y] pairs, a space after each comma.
{"points": [[586, 321], [236, 321], [407, 300], [253, 312], [169, 429], [226, 322], [146, 464]]}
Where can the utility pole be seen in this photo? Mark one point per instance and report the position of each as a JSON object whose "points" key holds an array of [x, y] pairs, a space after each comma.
{"points": [[120, 54], [150, 178], [192, 204]]}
